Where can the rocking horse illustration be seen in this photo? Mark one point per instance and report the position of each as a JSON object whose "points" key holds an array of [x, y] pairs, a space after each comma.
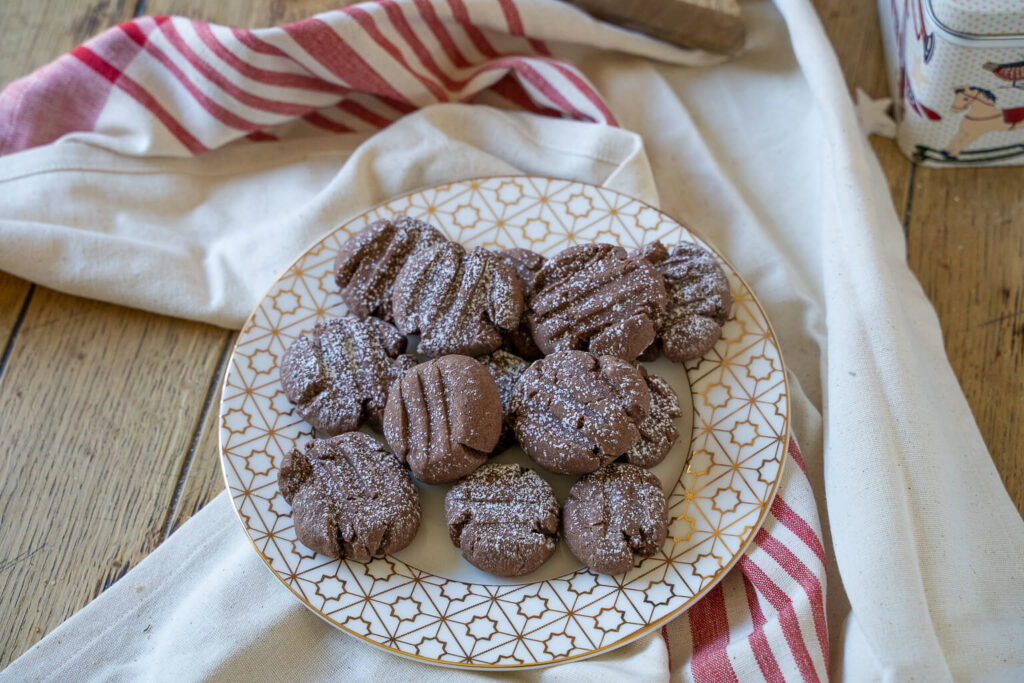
{"points": [[983, 116]]}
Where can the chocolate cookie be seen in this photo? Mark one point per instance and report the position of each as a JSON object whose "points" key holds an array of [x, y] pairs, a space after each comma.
{"points": [[658, 432], [699, 298], [456, 301], [350, 498], [613, 513], [368, 263], [574, 411], [526, 265], [596, 297], [443, 418], [504, 518], [341, 373], [506, 369]]}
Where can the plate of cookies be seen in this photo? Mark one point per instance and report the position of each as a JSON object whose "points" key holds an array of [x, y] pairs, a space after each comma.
{"points": [[504, 423]]}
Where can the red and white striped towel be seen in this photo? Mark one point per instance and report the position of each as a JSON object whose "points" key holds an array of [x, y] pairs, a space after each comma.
{"points": [[170, 86]]}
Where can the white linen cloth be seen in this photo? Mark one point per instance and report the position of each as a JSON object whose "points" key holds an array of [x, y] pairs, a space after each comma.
{"points": [[762, 155]]}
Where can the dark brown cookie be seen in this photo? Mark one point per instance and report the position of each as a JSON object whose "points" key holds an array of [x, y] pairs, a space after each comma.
{"points": [[658, 432], [443, 418], [368, 262], [341, 373], [506, 369], [575, 411], [456, 301], [350, 498], [526, 265], [613, 513], [598, 298], [504, 518], [699, 299]]}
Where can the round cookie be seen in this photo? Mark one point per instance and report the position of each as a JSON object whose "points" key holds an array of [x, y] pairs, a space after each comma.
{"points": [[350, 498], [596, 297], [443, 418], [506, 369], [504, 518], [525, 263], [613, 513], [658, 431], [699, 299], [457, 302], [368, 262], [340, 373], [574, 411]]}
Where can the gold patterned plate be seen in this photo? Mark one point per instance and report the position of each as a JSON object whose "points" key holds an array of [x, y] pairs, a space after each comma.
{"points": [[426, 602]]}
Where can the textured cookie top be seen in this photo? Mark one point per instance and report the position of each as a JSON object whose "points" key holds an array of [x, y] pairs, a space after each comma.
{"points": [[658, 431], [504, 518], [368, 262], [699, 298], [525, 263], [506, 369], [350, 498], [456, 301], [341, 372], [575, 411], [612, 513], [596, 297], [443, 418]]}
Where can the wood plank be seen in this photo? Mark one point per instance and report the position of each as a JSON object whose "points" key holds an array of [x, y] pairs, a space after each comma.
{"points": [[966, 245], [38, 31], [13, 291], [98, 405], [243, 13]]}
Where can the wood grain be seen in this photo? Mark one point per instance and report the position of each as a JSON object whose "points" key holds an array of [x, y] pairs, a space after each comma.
{"points": [[97, 407], [966, 245], [13, 291]]}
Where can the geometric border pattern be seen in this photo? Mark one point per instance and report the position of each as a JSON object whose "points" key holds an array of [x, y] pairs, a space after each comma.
{"points": [[740, 432]]}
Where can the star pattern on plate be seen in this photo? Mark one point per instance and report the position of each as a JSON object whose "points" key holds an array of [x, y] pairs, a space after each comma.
{"points": [[738, 447]]}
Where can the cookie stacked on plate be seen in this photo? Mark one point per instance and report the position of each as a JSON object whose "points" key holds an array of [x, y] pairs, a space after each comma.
{"points": [[512, 348]]}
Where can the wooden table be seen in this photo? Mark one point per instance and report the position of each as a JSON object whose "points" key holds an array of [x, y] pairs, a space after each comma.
{"points": [[108, 415]]}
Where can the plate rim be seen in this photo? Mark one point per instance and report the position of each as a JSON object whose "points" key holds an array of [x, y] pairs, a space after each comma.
{"points": [[625, 640]]}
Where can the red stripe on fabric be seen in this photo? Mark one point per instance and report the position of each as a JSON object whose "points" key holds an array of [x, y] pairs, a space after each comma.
{"points": [[323, 44], [282, 79], [247, 98], [794, 452], [223, 115], [534, 78], [512, 90], [709, 629], [799, 526], [787, 616], [260, 136], [436, 26], [401, 24], [321, 121], [477, 36], [803, 576], [249, 39], [758, 640], [358, 110], [370, 26], [515, 26], [140, 95], [588, 92]]}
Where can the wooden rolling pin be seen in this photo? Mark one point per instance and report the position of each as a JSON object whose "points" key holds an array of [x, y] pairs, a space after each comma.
{"points": [[712, 25]]}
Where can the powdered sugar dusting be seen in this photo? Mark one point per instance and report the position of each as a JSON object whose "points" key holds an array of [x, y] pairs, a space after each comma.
{"points": [[657, 432]]}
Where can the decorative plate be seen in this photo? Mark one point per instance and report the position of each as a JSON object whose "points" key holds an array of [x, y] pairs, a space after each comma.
{"points": [[426, 602]]}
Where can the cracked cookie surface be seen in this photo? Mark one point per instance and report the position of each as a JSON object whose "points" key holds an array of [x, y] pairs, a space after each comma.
{"points": [[598, 298], [340, 374], [658, 431], [459, 302], [369, 261], [612, 514], [350, 498], [504, 518], [575, 411]]}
